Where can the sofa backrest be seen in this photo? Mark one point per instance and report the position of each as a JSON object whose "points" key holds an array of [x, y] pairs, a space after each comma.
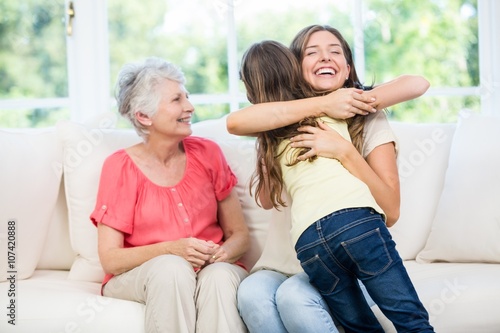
{"points": [[422, 162], [30, 177], [67, 240]]}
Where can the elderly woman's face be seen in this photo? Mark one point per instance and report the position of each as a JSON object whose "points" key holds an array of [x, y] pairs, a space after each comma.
{"points": [[324, 65], [174, 110]]}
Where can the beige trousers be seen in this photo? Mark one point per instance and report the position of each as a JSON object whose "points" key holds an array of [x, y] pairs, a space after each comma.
{"points": [[178, 300]]}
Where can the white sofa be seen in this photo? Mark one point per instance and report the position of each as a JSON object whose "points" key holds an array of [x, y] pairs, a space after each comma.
{"points": [[448, 233]]}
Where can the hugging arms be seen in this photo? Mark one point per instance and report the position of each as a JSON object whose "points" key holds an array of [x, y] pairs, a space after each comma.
{"points": [[378, 168]]}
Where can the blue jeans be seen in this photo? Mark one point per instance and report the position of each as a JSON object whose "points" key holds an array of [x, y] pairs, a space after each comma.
{"points": [[272, 302], [353, 244]]}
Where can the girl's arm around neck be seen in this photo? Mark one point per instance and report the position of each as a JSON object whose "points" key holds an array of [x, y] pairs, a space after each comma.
{"points": [[268, 116], [340, 104], [401, 89]]}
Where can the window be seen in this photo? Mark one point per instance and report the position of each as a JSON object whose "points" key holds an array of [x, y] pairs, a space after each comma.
{"points": [[33, 75], [207, 39], [191, 34], [436, 38]]}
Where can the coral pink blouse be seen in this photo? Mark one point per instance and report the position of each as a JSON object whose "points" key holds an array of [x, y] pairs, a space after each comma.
{"points": [[147, 213]]}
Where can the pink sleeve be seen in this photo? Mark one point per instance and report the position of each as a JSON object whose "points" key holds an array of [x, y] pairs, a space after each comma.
{"points": [[223, 178], [226, 180], [117, 194]]}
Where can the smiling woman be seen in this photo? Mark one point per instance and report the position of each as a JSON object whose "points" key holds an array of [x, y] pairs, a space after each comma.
{"points": [[324, 45], [151, 91], [145, 188]]}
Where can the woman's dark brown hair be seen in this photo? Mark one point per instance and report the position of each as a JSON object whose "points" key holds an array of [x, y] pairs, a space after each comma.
{"points": [[298, 46]]}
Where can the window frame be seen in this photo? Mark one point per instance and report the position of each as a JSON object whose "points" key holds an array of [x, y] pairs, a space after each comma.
{"points": [[88, 63]]}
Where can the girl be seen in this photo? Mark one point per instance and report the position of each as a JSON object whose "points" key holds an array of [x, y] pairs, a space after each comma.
{"points": [[338, 228]]}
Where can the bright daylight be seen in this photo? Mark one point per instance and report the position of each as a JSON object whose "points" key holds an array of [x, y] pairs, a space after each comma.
{"points": [[236, 166]]}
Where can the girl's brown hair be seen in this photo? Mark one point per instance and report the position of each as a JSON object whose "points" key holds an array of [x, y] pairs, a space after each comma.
{"points": [[272, 73]]}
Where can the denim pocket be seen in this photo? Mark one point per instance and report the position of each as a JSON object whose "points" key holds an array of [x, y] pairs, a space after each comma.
{"points": [[369, 252], [319, 273]]}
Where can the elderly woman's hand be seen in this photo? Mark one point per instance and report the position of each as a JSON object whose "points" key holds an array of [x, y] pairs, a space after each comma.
{"points": [[196, 251], [220, 254]]}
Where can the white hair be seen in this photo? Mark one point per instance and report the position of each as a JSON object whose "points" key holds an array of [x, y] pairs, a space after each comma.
{"points": [[136, 89]]}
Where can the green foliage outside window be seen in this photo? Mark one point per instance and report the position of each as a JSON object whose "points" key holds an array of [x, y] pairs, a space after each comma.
{"points": [[32, 59], [434, 38]]}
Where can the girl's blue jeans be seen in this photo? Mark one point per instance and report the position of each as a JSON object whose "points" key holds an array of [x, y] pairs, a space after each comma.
{"points": [[353, 244]]}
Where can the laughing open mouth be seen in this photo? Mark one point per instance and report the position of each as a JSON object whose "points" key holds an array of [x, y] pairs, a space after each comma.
{"points": [[325, 71]]}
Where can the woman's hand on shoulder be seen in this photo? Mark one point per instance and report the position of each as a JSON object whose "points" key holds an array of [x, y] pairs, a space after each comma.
{"points": [[345, 103], [322, 141]]}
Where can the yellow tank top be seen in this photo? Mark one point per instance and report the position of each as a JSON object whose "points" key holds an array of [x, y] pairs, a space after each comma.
{"points": [[322, 186]]}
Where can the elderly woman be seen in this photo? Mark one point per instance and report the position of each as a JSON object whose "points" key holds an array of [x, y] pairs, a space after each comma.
{"points": [[170, 225]]}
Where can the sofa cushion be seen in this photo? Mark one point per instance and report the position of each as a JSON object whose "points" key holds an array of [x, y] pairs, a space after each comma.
{"points": [[50, 302], [466, 227], [279, 253], [30, 177], [57, 252], [422, 161], [459, 297], [85, 150]]}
